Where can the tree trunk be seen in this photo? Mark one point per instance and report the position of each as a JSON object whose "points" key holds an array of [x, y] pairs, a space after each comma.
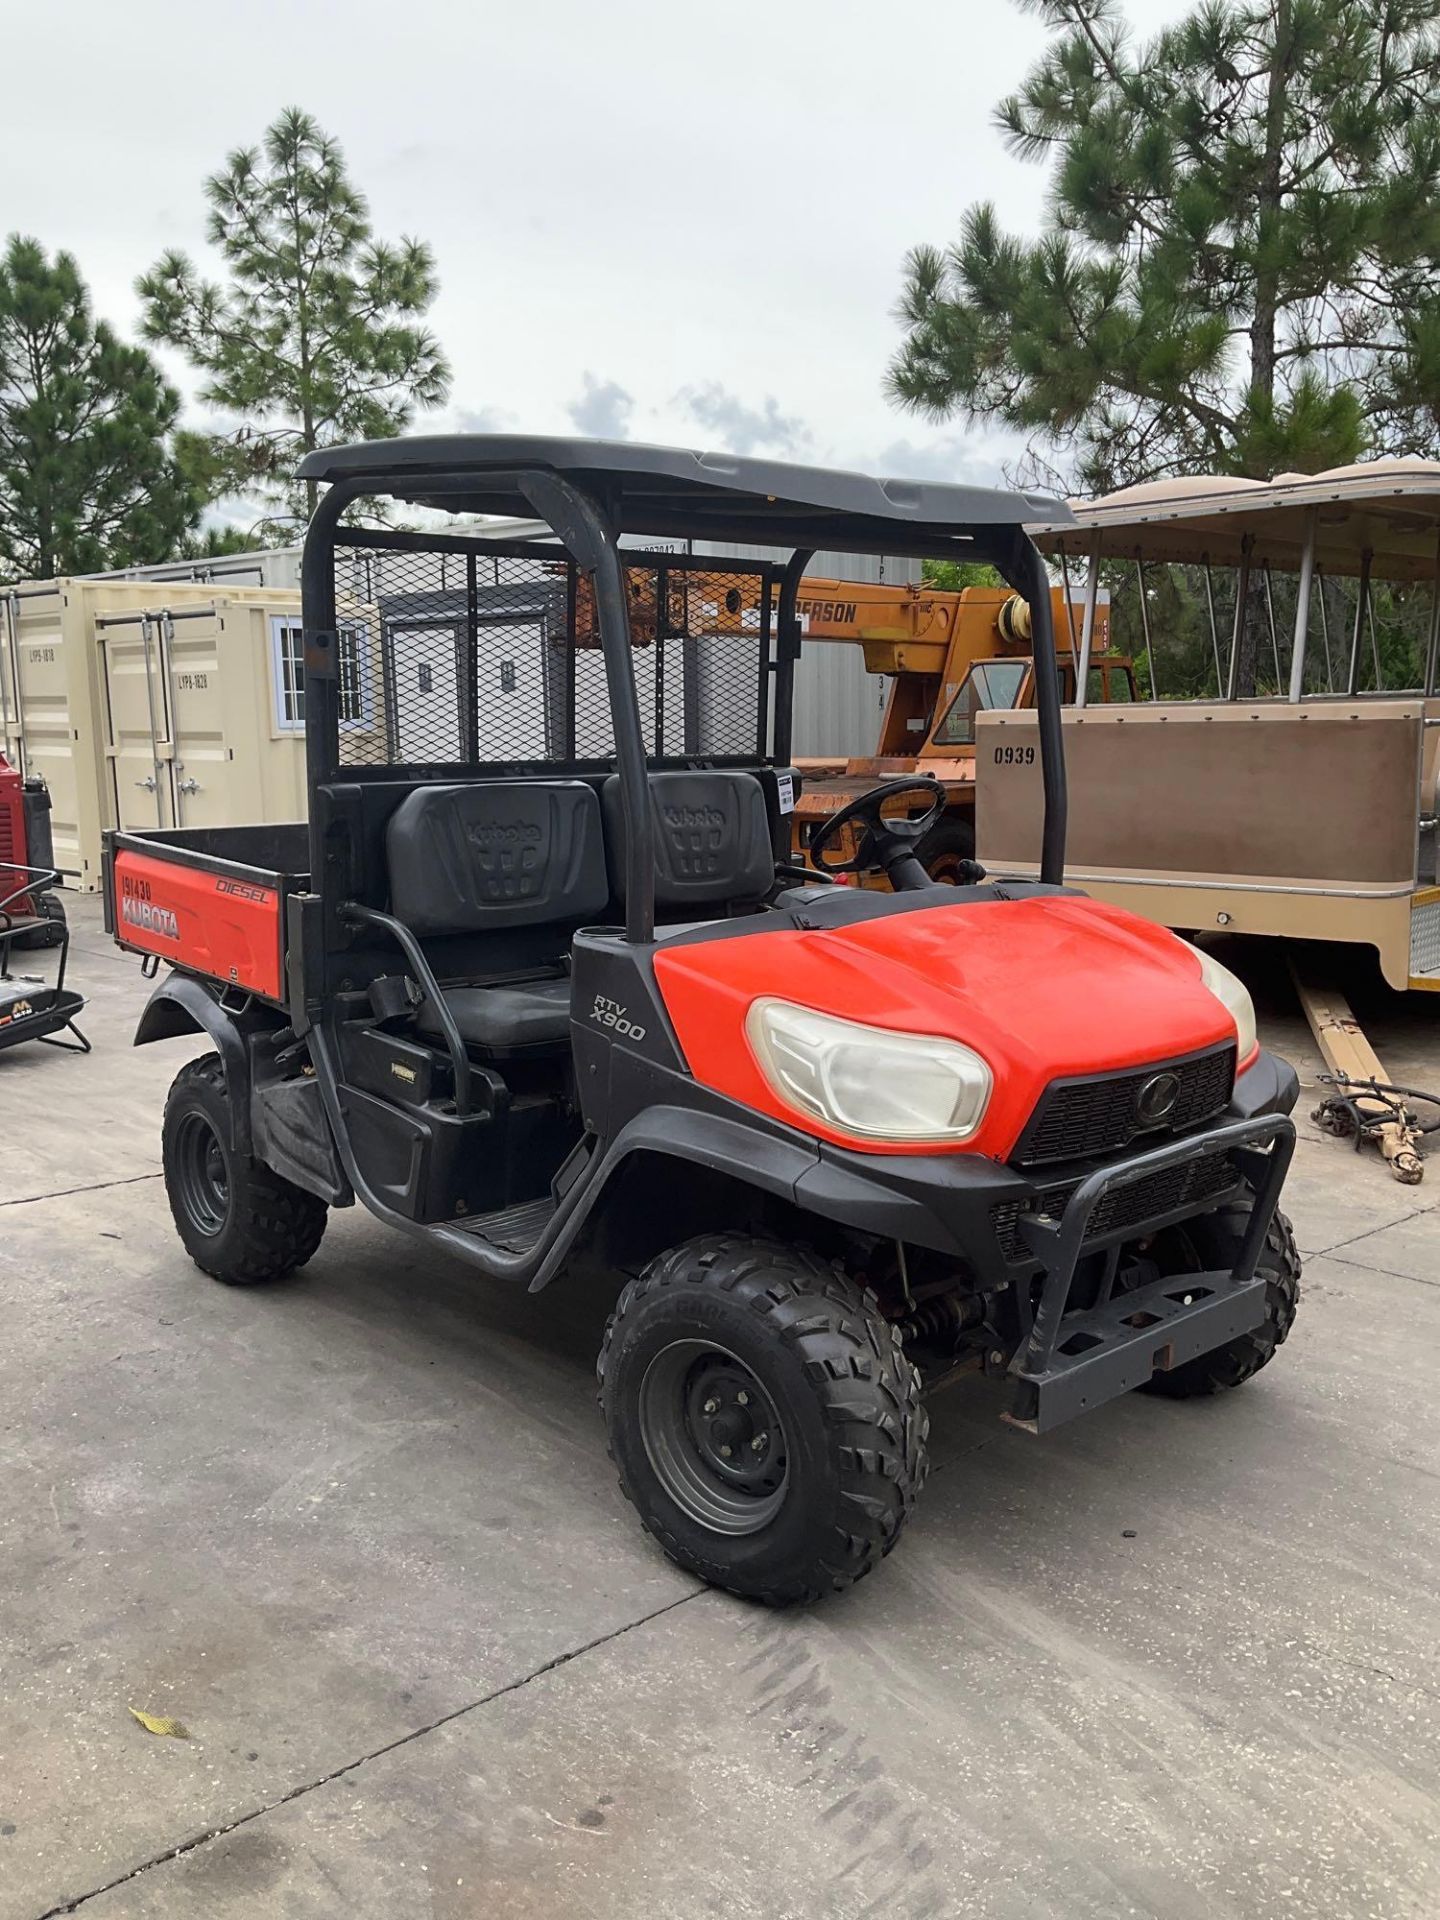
{"points": [[1268, 199], [1247, 659]]}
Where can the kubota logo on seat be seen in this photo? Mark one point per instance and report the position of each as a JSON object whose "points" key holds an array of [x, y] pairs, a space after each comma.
{"points": [[498, 833], [149, 917], [694, 817]]}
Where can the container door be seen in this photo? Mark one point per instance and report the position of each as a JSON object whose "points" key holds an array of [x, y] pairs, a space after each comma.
{"points": [[510, 698], [205, 776], [138, 715], [424, 673]]}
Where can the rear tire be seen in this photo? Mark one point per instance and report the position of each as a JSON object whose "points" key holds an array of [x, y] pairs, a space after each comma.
{"points": [[1214, 1241], [766, 1354], [239, 1221]]}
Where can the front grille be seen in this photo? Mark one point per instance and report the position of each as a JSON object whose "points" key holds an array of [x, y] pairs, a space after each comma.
{"points": [[1078, 1118], [1193, 1183]]}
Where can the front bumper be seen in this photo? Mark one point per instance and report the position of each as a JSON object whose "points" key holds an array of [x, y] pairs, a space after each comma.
{"points": [[1012, 1230], [1068, 1363]]}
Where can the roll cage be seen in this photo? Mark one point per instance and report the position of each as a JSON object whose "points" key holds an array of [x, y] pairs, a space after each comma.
{"points": [[593, 495]]}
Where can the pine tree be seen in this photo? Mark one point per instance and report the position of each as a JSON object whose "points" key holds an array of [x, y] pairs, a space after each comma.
{"points": [[1239, 270], [314, 340], [88, 473]]}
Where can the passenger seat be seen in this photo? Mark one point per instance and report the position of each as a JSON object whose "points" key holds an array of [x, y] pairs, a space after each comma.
{"points": [[492, 857]]}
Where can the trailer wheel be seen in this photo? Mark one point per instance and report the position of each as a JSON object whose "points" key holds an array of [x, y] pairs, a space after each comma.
{"points": [[764, 1419], [239, 1221], [945, 849], [1214, 1241]]}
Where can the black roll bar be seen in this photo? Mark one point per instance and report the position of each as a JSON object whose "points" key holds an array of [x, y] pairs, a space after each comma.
{"points": [[584, 525], [1022, 566], [787, 652], [585, 529], [321, 644]]}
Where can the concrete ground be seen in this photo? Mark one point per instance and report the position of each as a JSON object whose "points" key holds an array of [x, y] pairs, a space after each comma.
{"points": [[358, 1532]]}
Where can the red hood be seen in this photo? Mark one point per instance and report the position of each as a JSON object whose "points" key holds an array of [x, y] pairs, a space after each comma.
{"points": [[1042, 988]]}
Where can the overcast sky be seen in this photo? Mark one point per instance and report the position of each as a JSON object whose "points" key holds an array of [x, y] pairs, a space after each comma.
{"points": [[678, 222]]}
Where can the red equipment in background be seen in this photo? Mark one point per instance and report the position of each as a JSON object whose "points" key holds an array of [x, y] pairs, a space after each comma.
{"points": [[31, 916], [25, 843]]}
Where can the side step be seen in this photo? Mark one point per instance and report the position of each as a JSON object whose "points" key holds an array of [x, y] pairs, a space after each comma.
{"points": [[510, 1229]]}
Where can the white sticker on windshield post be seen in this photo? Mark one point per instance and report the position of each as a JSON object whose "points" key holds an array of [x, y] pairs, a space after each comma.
{"points": [[785, 787]]}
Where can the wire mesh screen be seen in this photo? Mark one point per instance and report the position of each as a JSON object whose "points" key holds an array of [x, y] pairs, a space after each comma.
{"points": [[455, 652]]}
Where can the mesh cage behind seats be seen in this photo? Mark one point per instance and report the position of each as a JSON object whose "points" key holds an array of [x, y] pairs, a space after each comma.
{"points": [[460, 652]]}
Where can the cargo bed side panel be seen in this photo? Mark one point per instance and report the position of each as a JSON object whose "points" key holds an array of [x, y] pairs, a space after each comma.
{"points": [[209, 923]]}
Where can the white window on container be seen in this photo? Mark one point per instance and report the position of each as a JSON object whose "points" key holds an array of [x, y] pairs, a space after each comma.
{"points": [[287, 648]]}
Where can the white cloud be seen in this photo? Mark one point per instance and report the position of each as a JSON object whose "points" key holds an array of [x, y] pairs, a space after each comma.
{"points": [[475, 420], [740, 428], [603, 409], [958, 458]]}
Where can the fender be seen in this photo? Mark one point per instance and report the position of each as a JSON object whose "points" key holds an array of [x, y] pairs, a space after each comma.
{"points": [[773, 1164], [181, 1004]]}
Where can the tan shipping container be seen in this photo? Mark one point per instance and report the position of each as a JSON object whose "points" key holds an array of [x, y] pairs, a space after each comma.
{"points": [[148, 705]]}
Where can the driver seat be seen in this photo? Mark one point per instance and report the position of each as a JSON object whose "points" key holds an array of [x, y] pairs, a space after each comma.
{"points": [[713, 852]]}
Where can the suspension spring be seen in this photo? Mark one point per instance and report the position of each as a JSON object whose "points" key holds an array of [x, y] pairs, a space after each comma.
{"points": [[946, 1313]]}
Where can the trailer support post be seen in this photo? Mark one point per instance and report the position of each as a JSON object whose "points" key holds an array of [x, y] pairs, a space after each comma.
{"points": [[1145, 623], [1087, 622], [1302, 608], [1352, 684], [1242, 594], [1214, 634]]}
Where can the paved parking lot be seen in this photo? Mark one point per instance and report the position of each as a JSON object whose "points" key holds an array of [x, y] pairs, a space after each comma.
{"points": [[358, 1532]]}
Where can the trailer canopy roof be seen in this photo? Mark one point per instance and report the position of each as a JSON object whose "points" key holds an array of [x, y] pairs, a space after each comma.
{"points": [[1390, 507], [671, 491]]}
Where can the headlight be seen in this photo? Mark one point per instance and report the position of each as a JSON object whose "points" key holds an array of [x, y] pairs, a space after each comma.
{"points": [[1233, 996], [869, 1081]]}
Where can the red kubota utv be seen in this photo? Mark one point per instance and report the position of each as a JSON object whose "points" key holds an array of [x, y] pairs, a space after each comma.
{"points": [[539, 986]]}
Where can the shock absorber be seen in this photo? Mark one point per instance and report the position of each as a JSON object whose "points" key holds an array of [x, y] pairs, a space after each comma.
{"points": [[944, 1314]]}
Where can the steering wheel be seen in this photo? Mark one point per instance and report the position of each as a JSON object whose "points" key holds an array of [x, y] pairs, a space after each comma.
{"points": [[885, 842]]}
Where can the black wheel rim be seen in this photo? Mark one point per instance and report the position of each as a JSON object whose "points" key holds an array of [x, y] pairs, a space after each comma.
{"points": [[202, 1175], [713, 1437]]}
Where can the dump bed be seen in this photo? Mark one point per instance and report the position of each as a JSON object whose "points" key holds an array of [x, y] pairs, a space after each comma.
{"points": [[210, 900]]}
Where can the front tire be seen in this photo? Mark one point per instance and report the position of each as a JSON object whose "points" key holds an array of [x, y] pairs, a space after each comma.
{"points": [[240, 1221], [1214, 1240], [764, 1419]]}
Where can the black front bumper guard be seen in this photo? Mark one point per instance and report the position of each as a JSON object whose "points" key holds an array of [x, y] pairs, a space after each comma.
{"points": [[1069, 1363]]}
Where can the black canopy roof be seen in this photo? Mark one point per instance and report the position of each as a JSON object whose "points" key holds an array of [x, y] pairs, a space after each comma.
{"points": [[675, 491]]}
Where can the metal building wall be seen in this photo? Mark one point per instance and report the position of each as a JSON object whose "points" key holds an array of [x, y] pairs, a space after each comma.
{"points": [[267, 567]]}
